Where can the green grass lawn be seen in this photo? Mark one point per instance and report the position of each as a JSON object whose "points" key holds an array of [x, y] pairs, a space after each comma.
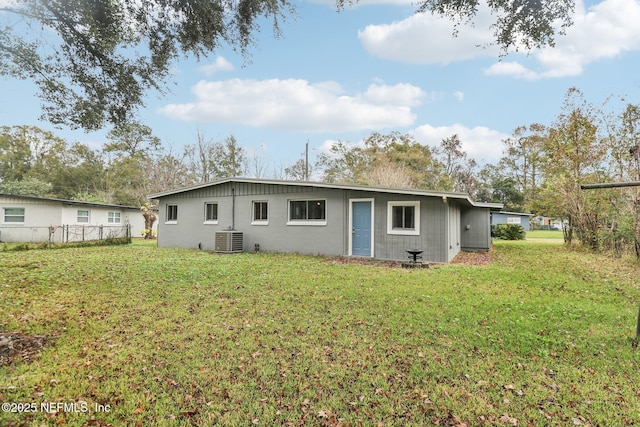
{"points": [[545, 234], [153, 336]]}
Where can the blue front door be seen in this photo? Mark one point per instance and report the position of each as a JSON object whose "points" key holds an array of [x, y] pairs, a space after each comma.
{"points": [[361, 233]]}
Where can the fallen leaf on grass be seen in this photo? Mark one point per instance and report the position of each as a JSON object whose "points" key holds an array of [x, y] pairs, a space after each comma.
{"points": [[324, 414], [510, 420], [138, 411]]}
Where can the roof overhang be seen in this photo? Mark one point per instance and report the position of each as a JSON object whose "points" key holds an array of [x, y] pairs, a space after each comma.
{"points": [[463, 197], [67, 202]]}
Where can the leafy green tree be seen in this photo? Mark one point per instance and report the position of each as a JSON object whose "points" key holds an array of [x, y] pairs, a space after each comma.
{"points": [[27, 187], [459, 169], [494, 186], [15, 155], [125, 181], [392, 159], [298, 171], [166, 170], [575, 154], [345, 163], [28, 151], [523, 159], [95, 60], [81, 175], [231, 159], [132, 139], [532, 24], [208, 159]]}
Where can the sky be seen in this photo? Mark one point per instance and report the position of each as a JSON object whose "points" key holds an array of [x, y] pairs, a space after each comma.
{"points": [[376, 67]]}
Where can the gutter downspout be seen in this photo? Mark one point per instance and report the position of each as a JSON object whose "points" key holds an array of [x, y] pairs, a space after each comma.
{"points": [[233, 208]]}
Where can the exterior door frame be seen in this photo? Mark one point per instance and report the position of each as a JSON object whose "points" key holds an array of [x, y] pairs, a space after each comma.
{"points": [[350, 229]]}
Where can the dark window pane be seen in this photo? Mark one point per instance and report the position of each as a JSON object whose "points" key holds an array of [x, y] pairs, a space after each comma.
{"points": [[172, 213], [212, 212], [409, 217], [316, 209], [298, 210], [260, 211], [397, 219]]}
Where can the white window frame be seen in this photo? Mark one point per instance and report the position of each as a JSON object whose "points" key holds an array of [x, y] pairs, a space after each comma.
{"points": [[88, 216], [171, 221], [5, 215], [512, 219], [114, 217], [211, 221], [265, 221], [404, 231], [316, 222]]}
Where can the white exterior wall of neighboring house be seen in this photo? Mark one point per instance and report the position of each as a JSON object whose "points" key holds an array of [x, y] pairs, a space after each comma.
{"points": [[33, 219]]}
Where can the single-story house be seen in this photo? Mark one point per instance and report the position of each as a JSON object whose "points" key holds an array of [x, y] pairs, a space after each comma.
{"points": [[547, 223], [237, 214], [41, 219], [518, 218]]}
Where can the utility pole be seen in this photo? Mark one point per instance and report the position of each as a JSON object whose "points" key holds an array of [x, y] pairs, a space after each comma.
{"points": [[306, 162]]}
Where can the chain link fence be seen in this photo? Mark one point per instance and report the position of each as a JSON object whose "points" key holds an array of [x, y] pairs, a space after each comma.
{"points": [[63, 233]]}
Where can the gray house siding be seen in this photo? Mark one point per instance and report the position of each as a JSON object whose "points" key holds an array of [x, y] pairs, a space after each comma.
{"points": [[476, 229], [518, 218], [235, 211], [432, 229], [440, 228]]}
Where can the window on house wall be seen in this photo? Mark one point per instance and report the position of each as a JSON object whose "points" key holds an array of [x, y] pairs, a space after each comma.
{"points": [[307, 211], [260, 212], [172, 213], [14, 215], [514, 220], [211, 213], [83, 216], [403, 218], [113, 217]]}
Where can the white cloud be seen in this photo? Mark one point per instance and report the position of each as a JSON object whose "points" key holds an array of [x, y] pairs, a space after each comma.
{"points": [[221, 64], [606, 30], [428, 39], [459, 95], [481, 143], [297, 105], [332, 3]]}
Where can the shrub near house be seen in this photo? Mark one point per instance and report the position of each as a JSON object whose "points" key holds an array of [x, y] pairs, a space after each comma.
{"points": [[508, 231]]}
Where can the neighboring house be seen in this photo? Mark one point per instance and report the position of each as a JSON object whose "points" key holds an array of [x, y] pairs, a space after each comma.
{"points": [[518, 218], [546, 223], [39, 219], [325, 219]]}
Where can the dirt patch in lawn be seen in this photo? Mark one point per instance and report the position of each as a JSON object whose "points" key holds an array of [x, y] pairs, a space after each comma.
{"points": [[18, 346], [473, 258]]}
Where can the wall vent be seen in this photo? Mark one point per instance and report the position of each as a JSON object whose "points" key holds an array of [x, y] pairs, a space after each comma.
{"points": [[229, 241]]}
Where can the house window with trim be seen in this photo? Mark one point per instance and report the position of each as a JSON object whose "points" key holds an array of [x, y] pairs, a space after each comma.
{"points": [[14, 215], [403, 218], [172, 213], [113, 217], [514, 220], [211, 213], [308, 212], [260, 213], [83, 216]]}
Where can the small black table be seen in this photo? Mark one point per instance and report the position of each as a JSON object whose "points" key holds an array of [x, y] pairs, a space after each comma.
{"points": [[415, 254]]}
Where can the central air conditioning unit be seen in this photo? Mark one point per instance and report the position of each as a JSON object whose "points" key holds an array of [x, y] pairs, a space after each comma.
{"points": [[229, 241]]}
